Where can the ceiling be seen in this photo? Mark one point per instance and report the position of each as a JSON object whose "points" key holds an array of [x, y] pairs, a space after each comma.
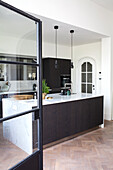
{"points": [[108, 4], [14, 25], [80, 36]]}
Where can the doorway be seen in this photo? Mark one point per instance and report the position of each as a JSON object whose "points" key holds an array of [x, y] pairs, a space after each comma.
{"points": [[87, 76]]}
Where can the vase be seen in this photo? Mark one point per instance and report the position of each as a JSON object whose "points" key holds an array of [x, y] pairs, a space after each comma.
{"points": [[43, 95]]}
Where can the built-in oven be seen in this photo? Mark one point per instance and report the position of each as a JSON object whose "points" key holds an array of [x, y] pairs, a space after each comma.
{"points": [[65, 82]]}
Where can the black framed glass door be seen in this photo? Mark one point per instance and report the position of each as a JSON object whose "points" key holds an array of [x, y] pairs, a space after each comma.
{"points": [[20, 90]]}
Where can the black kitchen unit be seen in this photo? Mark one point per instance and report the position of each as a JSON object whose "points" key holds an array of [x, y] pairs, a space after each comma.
{"points": [[61, 120], [53, 69]]}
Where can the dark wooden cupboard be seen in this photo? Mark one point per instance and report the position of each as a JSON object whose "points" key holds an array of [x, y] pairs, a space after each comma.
{"points": [[66, 119], [53, 71]]}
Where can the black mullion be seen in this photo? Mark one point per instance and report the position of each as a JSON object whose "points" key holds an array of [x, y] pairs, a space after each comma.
{"points": [[18, 56], [18, 115], [30, 156], [40, 98]]}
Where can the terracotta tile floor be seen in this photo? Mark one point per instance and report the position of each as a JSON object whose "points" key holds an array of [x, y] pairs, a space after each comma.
{"points": [[9, 153], [92, 151]]}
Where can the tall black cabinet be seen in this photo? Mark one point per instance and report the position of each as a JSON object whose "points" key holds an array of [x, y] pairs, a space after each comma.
{"points": [[52, 71]]}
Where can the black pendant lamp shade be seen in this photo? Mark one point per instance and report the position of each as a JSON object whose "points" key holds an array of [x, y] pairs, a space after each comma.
{"points": [[72, 31], [56, 28]]}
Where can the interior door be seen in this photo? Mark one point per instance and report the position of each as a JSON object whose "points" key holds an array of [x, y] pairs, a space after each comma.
{"points": [[21, 122], [87, 76]]}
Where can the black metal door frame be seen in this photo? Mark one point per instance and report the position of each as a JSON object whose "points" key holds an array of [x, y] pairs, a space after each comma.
{"points": [[29, 162]]}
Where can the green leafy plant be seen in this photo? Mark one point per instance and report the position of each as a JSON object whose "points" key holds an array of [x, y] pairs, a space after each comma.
{"points": [[45, 88]]}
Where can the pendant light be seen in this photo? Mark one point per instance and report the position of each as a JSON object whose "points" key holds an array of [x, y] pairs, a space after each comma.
{"points": [[72, 31], [56, 28]]}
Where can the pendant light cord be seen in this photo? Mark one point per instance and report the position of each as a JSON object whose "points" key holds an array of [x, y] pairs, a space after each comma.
{"points": [[56, 42], [72, 47], [56, 28], [72, 31]]}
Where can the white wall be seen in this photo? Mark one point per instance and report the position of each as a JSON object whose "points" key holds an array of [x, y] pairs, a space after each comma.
{"points": [[93, 51], [17, 45], [49, 50], [106, 77], [84, 14]]}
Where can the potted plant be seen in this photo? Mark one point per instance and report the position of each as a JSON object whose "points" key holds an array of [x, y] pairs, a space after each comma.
{"points": [[45, 89]]}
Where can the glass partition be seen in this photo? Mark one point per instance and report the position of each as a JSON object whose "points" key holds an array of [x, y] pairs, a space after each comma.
{"points": [[20, 87], [18, 140]]}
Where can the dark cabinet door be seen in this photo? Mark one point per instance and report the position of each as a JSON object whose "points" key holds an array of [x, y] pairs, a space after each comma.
{"points": [[51, 73], [53, 69], [55, 73], [96, 116], [85, 115], [65, 66]]}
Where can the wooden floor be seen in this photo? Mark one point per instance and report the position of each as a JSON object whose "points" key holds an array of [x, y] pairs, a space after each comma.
{"points": [[10, 154], [92, 151]]}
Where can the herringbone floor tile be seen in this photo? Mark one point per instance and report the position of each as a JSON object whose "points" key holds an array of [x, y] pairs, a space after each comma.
{"points": [[92, 151]]}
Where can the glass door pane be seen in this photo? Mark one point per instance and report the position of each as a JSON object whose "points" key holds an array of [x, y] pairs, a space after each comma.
{"points": [[83, 67], [89, 77], [89, 88], [83, 88], [18, 37], [86, 77], [89, 67], [18, 94], [18, 140]]}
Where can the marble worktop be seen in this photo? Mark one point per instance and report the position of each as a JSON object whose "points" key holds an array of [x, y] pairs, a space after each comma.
{"points": [[58, 98]]}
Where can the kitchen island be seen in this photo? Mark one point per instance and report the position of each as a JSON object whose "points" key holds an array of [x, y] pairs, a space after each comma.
{"points": [[63, 116]]}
